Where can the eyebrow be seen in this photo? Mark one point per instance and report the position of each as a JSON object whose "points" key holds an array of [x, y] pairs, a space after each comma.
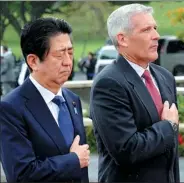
{"points": [[148, 26], [66, 48]]}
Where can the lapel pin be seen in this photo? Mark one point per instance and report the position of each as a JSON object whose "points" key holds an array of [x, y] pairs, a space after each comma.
{"points": [[75, 108]]}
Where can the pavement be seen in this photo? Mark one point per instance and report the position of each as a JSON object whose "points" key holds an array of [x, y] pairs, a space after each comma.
{"points": [[93, 169]]}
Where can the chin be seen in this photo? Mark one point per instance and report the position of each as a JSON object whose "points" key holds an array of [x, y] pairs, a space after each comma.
{"points": [[64, 79], [153, 57]]}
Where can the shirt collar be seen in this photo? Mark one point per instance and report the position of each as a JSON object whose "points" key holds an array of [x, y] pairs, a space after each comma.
{"points": [[138, 68], [45, 93]]}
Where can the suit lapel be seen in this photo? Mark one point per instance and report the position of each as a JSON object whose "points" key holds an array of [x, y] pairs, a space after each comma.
{"points": [[139, 88], [39, 109], [74, 110]]}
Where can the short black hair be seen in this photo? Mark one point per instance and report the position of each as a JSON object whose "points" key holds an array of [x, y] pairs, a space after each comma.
{"points": [[35, 35]]}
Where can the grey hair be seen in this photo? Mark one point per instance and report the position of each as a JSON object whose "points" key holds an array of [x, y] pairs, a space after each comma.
{"points": [[120, 19]]}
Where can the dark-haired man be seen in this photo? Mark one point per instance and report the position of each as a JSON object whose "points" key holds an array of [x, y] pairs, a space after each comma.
{"points": [[42, 131]]}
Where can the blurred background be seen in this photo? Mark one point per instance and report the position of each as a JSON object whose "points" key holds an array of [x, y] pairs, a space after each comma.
{"points": [[91, 42], [88, 20]]}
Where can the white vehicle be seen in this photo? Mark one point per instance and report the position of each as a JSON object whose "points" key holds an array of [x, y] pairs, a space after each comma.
{"points": [[106, 56], [171, 54]]}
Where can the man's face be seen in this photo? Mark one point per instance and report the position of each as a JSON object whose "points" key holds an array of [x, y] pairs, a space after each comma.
{"points": [[142, 43], [57, 65]]}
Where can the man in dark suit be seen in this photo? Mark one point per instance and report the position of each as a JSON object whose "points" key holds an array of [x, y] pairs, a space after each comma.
{"points": [[133, 105], [42, 133]]}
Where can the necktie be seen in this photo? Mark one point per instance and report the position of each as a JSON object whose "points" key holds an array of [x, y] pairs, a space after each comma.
{"points": [[64, 119], [153, 91]]}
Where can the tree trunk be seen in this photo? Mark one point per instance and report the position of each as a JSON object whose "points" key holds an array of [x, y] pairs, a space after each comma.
{"points": [[12, 20]]}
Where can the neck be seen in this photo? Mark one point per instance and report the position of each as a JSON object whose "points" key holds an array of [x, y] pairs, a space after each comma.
{"points": [[133, 59], [53, 87]]}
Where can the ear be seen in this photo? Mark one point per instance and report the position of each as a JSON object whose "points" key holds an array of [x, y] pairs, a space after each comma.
{"points": [[33, 61], [122, 39]]}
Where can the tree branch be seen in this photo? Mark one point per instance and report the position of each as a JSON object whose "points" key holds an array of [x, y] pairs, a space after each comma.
{"points": [[22, 11], [12, 20]]}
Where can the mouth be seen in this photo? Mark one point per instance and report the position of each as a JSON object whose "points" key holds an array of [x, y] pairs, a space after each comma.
{"points": [[154, 46], [64, 72]]}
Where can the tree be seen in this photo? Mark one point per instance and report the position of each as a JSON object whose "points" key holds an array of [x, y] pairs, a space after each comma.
{"points": [[18, 13], [3, 25], [177, 17]]}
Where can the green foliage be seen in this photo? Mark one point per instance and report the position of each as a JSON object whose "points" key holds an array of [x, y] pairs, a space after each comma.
{"points": [[89, 27], [91, 139], [181, 150], [177, 17], [181, 108], [161, 15]]}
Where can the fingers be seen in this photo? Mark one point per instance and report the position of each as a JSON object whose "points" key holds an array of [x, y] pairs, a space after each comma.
{"points": [[76, 140], [166, 104], [85, 146], [170, 113], [173, 106]]}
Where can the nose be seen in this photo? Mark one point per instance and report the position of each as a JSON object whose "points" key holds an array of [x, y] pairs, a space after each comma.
{"points": [[67, 60], [156, 35]]}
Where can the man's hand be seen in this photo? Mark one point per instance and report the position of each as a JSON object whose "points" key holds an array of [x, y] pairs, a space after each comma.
{"points": [[171, 113], [82, 151]]}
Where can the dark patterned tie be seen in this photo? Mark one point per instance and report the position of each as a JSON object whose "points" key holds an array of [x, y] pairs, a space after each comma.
{"points": [[153, 91], [64, 119]]}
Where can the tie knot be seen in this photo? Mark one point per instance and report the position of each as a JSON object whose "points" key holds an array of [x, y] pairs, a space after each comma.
{"points": [[146, 75], [58, 100]]}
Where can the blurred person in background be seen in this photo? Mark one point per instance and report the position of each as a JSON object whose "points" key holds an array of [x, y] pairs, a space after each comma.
{"points": [[89, 64], [8, 78], [42, 135], [133, 105]]}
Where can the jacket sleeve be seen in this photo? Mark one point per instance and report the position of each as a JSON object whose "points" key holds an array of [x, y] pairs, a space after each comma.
{"points": [[18, 158], [4, 66], [113, 118]]}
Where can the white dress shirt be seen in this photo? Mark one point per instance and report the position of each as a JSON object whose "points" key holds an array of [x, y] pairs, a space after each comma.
{"points": [[48, 96]]}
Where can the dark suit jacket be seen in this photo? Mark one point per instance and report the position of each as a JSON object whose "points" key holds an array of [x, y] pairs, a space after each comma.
{"points": [[31, 143], [133, 144]]}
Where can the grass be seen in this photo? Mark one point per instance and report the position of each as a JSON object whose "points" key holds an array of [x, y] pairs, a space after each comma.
{"points": [[83, 28]]}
